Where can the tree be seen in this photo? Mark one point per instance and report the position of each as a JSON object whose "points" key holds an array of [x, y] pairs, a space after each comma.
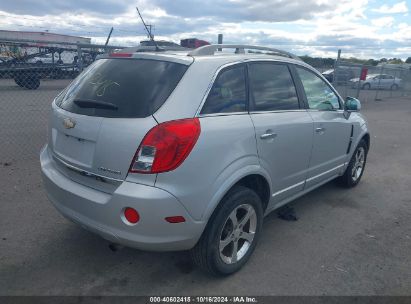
{"points": [[395, 61], [408, 60], [372, 62]]}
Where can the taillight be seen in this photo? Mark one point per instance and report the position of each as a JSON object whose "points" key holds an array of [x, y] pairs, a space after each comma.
{"points": [[166, 146]]}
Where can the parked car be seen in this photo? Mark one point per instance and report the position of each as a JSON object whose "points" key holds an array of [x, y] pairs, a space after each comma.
{"points": [[4, 63], [377, 81], [7, 61], [4, 59], [191, 150], [45, 59], [344, 74], [150, 46]]}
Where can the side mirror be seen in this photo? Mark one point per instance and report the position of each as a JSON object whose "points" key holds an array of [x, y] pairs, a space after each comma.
{"points": [[351, 105]]}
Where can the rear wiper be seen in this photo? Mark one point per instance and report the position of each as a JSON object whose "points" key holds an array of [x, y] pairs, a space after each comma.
{"points": [[97, 104]]}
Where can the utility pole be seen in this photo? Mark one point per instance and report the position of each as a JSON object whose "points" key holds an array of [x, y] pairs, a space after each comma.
{"points": [[108, 37], [220, 40], [150, 30], [337, 62]]}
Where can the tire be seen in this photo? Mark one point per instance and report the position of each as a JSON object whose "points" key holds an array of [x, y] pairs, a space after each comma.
{"points": [[394, 87], [354, 172], [19, 81], [366, 86], [31, 83], [206, 254]]}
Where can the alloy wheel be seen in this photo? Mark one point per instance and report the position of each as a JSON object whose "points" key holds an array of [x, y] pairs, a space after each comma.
{"points": [[238, 234], [359, 162]]}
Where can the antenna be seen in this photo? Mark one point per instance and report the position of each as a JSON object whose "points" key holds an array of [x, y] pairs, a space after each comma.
{"points": [[148, 31]]}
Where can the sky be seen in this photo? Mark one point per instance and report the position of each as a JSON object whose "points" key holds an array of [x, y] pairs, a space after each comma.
{"points": [[360, 28]]}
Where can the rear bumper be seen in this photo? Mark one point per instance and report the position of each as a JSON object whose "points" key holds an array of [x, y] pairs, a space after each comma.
{"points": [[101, 212]]}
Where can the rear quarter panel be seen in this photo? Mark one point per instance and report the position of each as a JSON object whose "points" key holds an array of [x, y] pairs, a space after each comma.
{"points": [[225, 152]]}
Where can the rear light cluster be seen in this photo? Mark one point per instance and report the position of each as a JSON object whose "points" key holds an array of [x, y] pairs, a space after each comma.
{"points": [[166, 146]]}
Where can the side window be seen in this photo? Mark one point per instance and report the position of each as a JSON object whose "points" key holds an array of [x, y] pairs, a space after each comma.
{"points": [[228, 93], [319, 95], [272, 87]]}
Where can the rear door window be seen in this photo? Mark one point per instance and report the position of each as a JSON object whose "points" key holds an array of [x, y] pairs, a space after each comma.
{"points": [[272, 88], [122, 88], [228, 94]]}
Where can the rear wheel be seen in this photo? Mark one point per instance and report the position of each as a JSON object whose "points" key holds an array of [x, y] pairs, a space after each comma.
{"points": [[231, 234], [394, 87], [366, 86], [356, 167], [32, 83], [19, 81]]}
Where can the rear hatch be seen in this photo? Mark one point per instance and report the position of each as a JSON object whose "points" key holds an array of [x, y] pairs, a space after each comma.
{"points": [[99, 121]]}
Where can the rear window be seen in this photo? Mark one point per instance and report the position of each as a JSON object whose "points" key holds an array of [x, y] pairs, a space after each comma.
{"points": [[122, 88]]}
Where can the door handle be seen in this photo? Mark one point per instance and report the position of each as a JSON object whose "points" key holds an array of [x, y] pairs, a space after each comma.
{"points": [[268, 135], [320, 130]]}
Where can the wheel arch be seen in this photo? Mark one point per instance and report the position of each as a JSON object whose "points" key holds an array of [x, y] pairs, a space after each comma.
{"points": [[363, 136], [259, 185], [253, 177], [366, 138]]}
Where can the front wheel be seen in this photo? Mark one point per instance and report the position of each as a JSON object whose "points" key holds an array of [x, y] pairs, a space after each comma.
{"points": [[356, 167], [231, 234]]}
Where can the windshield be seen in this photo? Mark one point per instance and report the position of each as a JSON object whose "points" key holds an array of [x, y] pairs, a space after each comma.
{"points": [[126, 88]]}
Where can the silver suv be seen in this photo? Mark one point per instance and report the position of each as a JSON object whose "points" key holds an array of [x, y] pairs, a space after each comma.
{"points": [[176, 151]]}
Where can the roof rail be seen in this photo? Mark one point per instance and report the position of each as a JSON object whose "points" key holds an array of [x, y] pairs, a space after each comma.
{"points": [[208, 50]]}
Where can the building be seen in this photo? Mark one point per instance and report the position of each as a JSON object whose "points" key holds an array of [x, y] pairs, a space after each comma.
{"points": [[42, 36]]}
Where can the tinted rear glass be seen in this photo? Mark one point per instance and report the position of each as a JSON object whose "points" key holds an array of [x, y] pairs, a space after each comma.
{"points": [[126, 88], [272, 87], [228, 94]]}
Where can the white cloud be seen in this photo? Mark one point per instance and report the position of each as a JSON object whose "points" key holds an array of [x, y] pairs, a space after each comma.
{"points": [[397, 8], [383, 22], [320, 27]]}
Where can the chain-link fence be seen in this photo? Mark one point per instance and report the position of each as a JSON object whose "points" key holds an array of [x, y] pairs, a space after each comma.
{"points": [[370, 83], [32, 73]]}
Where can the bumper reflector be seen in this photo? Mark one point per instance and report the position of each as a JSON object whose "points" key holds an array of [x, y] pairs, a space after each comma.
{"points": [[131, 215], [175, 219]]}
